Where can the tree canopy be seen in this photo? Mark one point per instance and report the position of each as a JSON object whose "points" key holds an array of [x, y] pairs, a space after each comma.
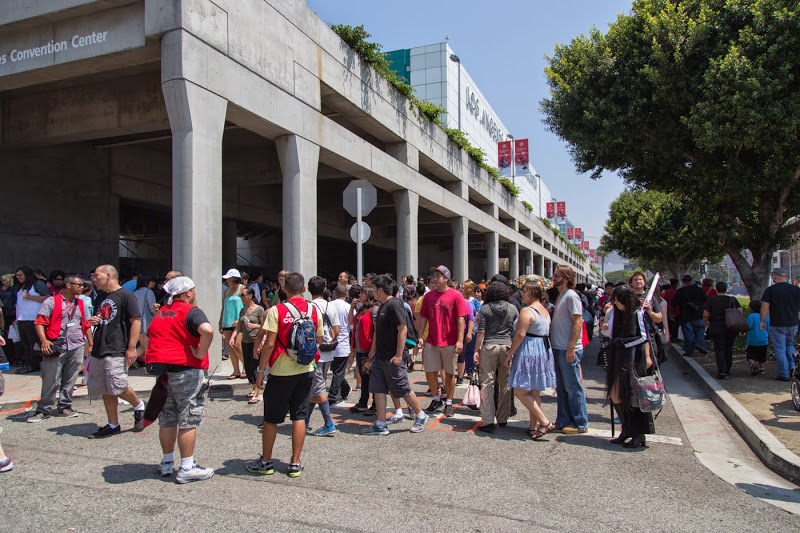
{"points": [[697, 97], [659, 231]]}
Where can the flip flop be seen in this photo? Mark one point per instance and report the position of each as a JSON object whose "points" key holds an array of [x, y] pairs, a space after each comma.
{"points": [[234, 376], [253, 400]]}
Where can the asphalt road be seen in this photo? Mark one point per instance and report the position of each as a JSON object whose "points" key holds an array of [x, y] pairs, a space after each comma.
{"points": [[447, 478]]}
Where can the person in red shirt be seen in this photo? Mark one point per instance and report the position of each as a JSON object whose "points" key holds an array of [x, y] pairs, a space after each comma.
{"points": [[708, 287], [445, 311], [180, 335]]}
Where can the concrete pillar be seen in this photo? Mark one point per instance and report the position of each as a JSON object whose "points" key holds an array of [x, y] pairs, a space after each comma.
{"points": [[197, 120], [548, 268], [460, 268], [406, 204], [299, 159], [229, 258], [492, 254], [513, 260], [527, 261], [538, 265]]}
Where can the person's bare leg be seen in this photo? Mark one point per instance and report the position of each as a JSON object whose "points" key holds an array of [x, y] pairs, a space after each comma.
{"points": [[110, 403], [298, 438], [130, 397], [167, 437], [268, 434], [433, 382], [413, 402], [380, 406], [186, 440], [450, 385], [460, 368]]}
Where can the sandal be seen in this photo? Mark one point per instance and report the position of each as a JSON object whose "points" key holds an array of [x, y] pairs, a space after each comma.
{"points": [[542, 431], [234, 376], [254, 399]]}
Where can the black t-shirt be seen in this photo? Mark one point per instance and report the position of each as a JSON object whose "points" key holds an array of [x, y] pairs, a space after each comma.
{"points": [[194, 319], [689, 300], [716, 306], [784, 302], [115, 311], [390, 315]]}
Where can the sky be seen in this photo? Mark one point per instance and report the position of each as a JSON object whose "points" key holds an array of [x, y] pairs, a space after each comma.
{"points": [[502, 45]]}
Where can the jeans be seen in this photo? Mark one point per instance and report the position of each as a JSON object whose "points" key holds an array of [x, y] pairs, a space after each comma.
{"points": [[783, 345], [693, 335], [58, 376], [571, 396], [469, 355], [340, 388]]}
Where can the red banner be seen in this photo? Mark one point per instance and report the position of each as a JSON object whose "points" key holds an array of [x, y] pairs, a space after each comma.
{"points": [[591, 252], [570, 233], [551, 209], [504, 158], [597, 259], [585, 245], [522, 159], [561, 209], [578, 233]]}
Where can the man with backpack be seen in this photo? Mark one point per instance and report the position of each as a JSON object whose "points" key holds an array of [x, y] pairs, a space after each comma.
{"points": [[388, 354], [294, 331], [330, 334], [688, 304]]}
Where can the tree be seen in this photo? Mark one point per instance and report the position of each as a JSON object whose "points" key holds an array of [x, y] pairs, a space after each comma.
{"points": [[615, 276], [698, 97], [659, 231]]}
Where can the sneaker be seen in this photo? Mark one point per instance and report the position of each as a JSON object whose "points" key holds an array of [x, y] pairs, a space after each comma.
{"points": [[295, 469], [325, 431], [459, 381], [105, 431], [702, 350], [419, 424], [448, 410], [434, 406], [428, 393], [375, 429], [753, 370], [761, 371], [166, 468], [572, 430], [6, 464], [260, 467], [195, 473], [358, 408], [138, 425], [395, 419], [67, 412], [370, 411], [722, 375], [38, 417]]}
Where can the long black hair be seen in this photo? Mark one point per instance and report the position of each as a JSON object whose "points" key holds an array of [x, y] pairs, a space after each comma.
{"points": [[29, 277], [620, 361], [625, 322]]}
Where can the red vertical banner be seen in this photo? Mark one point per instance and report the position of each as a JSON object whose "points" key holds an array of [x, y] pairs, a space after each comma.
{"points": [[597, 259], [504, 158], [570, 233], [591, 252], [551, 209], [522, 161], [585, 245], [561, 209], [578, 233]]}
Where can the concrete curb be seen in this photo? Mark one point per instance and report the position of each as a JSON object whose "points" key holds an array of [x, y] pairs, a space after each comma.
{"points": [[766, 446]]}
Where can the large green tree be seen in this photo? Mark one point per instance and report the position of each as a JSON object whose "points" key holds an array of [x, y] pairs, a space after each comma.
{"points": [[659, 231], [698, 97]]}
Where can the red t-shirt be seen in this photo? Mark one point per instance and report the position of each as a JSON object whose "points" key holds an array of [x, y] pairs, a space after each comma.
{"points": [[442, 310]]}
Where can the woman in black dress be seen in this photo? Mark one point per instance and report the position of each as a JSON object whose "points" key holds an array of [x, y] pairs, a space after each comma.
{"points": [[628, 358]]}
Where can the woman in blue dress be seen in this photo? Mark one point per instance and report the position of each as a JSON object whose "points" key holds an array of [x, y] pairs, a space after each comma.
{"points": [[531, 359]]}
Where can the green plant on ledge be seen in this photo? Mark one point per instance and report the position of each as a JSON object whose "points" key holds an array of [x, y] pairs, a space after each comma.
{"points": [[527, 205], [595, 270], [560, 236]]}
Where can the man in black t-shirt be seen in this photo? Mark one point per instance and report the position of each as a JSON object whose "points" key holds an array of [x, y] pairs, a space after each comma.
{"points": [[388, 371], [782, 301], [117, 321], [689, 301]]}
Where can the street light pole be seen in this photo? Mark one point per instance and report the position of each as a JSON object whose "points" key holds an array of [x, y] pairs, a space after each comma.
{"points": [[455, 59], [513, 159]]}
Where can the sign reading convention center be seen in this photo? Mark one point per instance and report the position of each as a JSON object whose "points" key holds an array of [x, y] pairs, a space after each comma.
{"points": [[63, 41]]}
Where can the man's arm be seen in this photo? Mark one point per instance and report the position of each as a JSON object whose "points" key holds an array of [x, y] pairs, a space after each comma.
{"points": [[577, 322], [460, 340], [764, 312], [45, 344], [263, 361], [402, 333], [133, 338], [206, 331]]}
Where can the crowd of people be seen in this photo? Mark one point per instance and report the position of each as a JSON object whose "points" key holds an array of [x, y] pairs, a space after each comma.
{"points": [[518, 338]]}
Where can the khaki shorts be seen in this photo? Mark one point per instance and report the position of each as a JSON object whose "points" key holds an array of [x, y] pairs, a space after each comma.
{"points": [[107, 376], [435, 358]]}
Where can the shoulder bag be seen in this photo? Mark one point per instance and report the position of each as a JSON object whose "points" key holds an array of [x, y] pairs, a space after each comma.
{"points": [[650, 392], [472, 398], [735, 322]]}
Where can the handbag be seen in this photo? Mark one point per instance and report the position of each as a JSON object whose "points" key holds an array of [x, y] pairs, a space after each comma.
{"points": [[650, 392], [735, 322], [472, 398]]}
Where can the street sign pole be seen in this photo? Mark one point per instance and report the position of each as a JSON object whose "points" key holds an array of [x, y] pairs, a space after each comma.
{"points": [[359, 239]]}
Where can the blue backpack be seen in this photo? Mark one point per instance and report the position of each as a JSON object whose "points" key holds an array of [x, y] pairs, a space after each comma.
{"points": [[302, 336]]}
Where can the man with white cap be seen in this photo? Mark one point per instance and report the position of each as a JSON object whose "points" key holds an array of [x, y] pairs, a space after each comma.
{"points": [[180, 335]]}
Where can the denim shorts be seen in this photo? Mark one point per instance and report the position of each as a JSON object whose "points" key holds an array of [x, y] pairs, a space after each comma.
{"points": [[185, 400]]}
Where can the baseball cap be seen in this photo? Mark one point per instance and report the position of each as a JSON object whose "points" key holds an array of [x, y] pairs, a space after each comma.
{"points": [[780, 272], [444, 270], [232, 273]]}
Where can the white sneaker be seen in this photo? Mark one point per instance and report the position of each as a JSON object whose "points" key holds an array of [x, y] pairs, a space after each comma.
{"points": [[196, 473], [395, 418], [165, 469]]}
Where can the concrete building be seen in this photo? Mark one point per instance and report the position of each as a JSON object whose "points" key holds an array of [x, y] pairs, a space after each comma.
{"points": [[189, 135]]}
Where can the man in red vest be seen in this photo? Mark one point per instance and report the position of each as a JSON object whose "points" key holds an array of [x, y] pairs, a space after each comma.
{"points": [[180, 335], [62, 326]]}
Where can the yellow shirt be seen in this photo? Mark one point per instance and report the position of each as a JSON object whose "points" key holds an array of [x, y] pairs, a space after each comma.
{"points": [[284, 365], [416, 313]]}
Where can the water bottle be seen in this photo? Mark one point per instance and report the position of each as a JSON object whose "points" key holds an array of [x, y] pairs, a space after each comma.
{"points": [[245, 321]]}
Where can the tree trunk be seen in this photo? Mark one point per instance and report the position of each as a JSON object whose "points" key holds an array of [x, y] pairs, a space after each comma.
{"points": [[756, 276]]}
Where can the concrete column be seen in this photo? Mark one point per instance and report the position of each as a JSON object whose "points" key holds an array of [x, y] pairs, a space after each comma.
{"points": [[229, 258], [460, 268], [299, 159], [197, 120], [527, 261], [492, 253], [406, 204], [548, 268], [513, 260], [538, 265]]}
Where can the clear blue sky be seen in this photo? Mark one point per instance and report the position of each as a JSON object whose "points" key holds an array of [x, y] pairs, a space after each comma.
{"points": [[502, 45]]}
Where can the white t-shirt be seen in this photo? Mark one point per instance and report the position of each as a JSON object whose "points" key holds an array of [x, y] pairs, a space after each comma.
{"points": [[567, 305], [343, 309], [327, 308]]}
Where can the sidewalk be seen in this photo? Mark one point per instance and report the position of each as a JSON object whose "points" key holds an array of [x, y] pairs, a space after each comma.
{"points": [[23, 391]]}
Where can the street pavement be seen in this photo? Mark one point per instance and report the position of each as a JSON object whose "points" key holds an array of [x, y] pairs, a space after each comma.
{"points": [[447, 478]]}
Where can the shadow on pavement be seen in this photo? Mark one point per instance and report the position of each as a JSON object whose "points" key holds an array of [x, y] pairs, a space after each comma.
{"points": [[131, 472], [249, 419], [234, 467], [590, 441], [769, 492], [75, 430]]}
